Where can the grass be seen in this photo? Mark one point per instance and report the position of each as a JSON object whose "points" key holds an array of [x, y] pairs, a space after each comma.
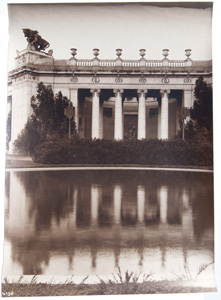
{"points": [[127, 283], [186, 275]]}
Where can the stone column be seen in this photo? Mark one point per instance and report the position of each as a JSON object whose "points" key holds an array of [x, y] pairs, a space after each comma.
{"points": [[95, 131], [74, 100], [101, 128], [141, 134], [22, 89], [164, 122], [118, 121], [159, 121]]}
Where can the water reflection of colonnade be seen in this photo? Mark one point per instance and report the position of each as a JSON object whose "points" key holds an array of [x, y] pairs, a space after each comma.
{"points": [[98, 218], [142, 209], [100, 206]]}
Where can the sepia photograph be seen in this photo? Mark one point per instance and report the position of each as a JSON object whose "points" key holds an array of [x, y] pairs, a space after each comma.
{"points": [[109, 151]]}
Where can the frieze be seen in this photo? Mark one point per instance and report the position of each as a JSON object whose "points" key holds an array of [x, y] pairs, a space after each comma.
{"points": [[74, 79], [95, 79], [187, 79], [142, 80], [35, 78], [165, 79], [21, 59], [118, 79], [25, 77]]}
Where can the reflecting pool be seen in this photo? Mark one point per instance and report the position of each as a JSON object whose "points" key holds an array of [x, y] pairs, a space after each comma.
{"points": [[88, 223]]}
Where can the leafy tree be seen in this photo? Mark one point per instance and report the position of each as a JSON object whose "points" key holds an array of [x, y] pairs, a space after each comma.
{"points": [[47, 120], [201, 114], [202, 110]]}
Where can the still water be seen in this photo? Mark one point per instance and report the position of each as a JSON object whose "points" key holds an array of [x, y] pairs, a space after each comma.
{"points": [[63, 223]]}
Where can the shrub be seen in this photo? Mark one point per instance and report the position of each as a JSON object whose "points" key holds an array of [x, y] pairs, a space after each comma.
{"points": [[145, 152]]}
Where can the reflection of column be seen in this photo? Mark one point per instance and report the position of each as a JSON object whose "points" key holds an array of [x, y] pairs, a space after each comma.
{"points": [[117, 203], [95, 196], [141, 134], [187, 218], [18, 222], [74, 100], [164, 125], [163, 198], [95, 131], [75, 198], [116, 254], [163, 250], [140, 203], [118, 121], [94, 250]]}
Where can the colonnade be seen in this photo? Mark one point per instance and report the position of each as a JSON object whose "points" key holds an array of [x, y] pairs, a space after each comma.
{"points": [[97, 115]]}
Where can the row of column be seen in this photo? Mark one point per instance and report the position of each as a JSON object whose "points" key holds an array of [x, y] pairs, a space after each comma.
{"points": [[97, 115]]}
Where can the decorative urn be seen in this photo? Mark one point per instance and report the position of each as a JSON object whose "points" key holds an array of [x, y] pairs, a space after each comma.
{"points": [[142, 52], [73, 51], [165, 52], [188, 53], [119, 52], [96, 52]]}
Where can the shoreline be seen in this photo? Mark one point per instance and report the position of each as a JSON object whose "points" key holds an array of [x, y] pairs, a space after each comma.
{"points": [[21, 163], [105, 168]]}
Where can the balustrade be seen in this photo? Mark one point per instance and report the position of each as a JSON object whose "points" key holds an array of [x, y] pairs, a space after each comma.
{"points": [[27, 57], [128, 64], [132, 64]]}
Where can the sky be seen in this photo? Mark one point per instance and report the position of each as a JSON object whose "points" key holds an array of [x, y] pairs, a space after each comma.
{"points": [[108, 27]]}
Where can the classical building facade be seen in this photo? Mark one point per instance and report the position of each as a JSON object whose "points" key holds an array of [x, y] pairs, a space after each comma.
{"points": [[112, 98]]}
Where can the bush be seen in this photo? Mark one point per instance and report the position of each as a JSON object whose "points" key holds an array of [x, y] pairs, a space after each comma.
{"points": [[145, 152]]}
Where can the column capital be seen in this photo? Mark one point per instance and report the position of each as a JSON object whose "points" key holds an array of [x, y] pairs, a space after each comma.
{"points": [[163, 92], [118, 91], [93, 91], [141, 91]]}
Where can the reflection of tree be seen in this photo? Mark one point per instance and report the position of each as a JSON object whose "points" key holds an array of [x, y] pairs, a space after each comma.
{"points": [[174, 208], [49, 197], [37, 254], [203, 206], [7, 191]]}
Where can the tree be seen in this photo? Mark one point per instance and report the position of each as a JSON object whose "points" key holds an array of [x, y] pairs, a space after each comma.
{"points": [[202, 110], [47, 120], [201, 114]]}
